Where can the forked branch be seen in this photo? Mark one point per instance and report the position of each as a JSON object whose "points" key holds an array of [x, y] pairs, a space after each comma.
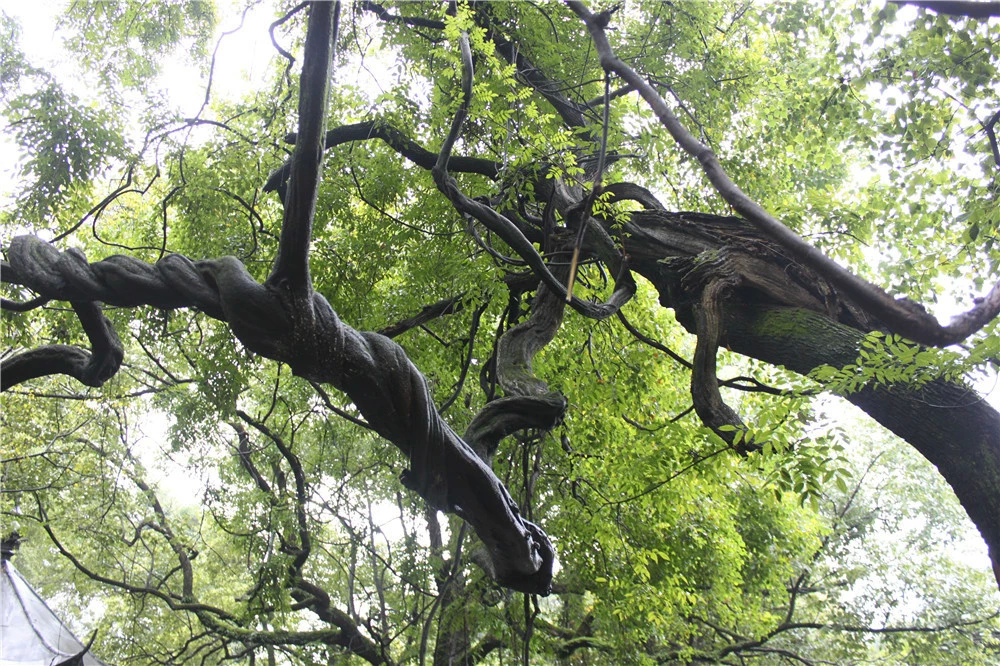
{"points": [[902, 316], [285, 320]]}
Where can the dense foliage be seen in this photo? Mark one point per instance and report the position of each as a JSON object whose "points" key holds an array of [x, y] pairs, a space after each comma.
{"points": [[205, 502]]}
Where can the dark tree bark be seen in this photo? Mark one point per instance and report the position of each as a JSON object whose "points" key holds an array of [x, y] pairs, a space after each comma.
{"points": [[979, 10], [286, 320], [783, 314], [947, 423], [372, 369], [913, 322]]}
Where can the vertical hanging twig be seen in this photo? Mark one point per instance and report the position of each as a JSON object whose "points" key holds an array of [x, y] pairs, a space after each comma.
{"points": [[588, 203]]}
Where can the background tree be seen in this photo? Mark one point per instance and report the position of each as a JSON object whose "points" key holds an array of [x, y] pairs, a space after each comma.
{"points": [[505, 158]]}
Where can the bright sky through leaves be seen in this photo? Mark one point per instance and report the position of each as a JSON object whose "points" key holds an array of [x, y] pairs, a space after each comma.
{"points": [[203, 467]]}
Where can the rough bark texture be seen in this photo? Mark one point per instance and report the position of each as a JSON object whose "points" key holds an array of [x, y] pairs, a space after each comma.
{"points": [[726, 282], [284, 319], [783, 314], [776, 311], [913, 322]]}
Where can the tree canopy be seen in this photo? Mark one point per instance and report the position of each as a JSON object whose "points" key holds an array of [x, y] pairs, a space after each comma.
{"points": [[485, 332]]}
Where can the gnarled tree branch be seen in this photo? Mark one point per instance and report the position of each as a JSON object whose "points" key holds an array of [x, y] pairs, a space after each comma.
{"points": [[285, 320], [375, 373], [902, 316], [91, 368]]}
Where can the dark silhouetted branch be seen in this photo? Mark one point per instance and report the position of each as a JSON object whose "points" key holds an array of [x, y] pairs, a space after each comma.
{"points": [[291, 267], [977, 10], [91, 368], [378, 129]]}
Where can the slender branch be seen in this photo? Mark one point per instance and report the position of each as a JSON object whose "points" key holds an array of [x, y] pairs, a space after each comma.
{"points": [[639, 335], [337, 410], [588, 202], [990, 129], [573, 114], [205, 612], [443, 307], [246, 462], [503, 227], [395, 139], [305, 540], [384, 15]]}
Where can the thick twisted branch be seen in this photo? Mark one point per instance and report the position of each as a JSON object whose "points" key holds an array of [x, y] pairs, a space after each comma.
{"points": [[529, 403], [285, 320], [708, 402], [91, 368], [370, 368]]}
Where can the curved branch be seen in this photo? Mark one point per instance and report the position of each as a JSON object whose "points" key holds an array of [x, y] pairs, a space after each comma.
{"points": [[990, 129], [370, 368], [708, 402], [503, 227], [27, 306], [633, 192], [384, 15], [529, 403], [91, 368], [979, 10], [572, 113], [902, 316], [395, 139], [645, 339], [445, 306]]}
